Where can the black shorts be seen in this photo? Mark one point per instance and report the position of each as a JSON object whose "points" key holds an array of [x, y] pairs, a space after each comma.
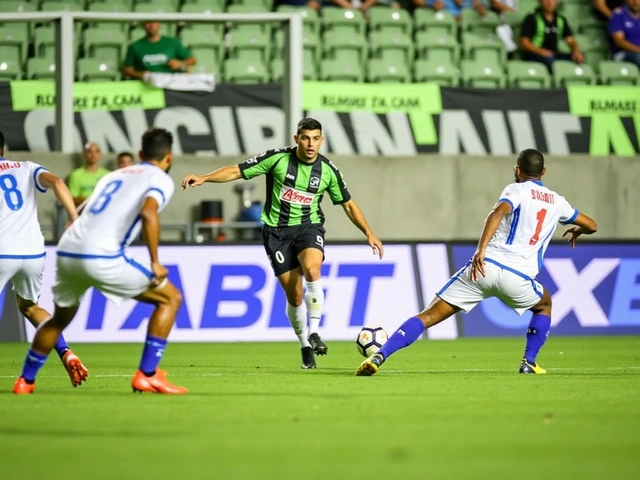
{"points": [[284, 244]]}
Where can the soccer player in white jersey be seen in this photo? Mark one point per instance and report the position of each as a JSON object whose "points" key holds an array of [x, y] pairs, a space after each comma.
{"points": [[91, 253], [509, 256], [22, 244]]}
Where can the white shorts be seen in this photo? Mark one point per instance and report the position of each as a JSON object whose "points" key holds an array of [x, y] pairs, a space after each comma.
{"points": [[25, 275], [515, 289], [118, 278]]}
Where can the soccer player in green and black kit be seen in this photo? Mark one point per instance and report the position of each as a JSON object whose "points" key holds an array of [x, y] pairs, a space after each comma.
{"points": [[293, 233]]}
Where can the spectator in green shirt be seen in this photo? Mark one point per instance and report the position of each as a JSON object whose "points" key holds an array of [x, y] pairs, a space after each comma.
{"points": [[156, 53], [83, 180]]}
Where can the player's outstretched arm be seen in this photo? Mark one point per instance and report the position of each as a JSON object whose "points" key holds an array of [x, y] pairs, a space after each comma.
{"points": [[582, 225], [222, 175], [151, 230], [356, 216], [491, 225], [62, 193]]}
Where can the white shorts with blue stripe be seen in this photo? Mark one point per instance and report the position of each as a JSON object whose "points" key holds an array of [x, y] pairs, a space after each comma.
{"points": [[515, 289], [118, 277], [25, 273]]}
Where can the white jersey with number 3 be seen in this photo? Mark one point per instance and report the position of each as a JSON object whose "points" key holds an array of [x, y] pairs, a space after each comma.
{"points": [[20, 234], [524, 234], [110, 219]]}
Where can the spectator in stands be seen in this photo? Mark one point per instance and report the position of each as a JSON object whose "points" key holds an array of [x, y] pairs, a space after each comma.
{"points": [[540, 32], [397, 4], [624, 28], [604, 8], [315, 4], [125, 159], [156, 53], [83, 180], [500, 6], [454, 7]]}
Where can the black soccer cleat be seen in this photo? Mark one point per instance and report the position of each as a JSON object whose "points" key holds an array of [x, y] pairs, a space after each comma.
{"points": [[319, 348], [308, 360]]}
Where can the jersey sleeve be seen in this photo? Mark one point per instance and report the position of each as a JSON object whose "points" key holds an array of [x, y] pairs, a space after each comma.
{"points": [[528, 28], [259, 165], [511, 195], [567, 213], [566, 30], [338, 188], [36, 170], [161, 189], [129, 59], [182, 51], [616, 23]]}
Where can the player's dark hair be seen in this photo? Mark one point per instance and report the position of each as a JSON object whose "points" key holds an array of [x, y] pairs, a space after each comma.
{"points": [[1, 142], [309, 124], [125, 154], [156, 143], [531, 162]]}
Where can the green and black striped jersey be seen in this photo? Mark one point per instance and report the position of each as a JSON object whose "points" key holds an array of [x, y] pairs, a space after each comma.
{"points": [[295, 188]]}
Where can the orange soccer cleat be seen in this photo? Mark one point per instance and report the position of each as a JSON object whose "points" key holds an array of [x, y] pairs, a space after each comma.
{"points": [[155, 384], [78, 373], [21, 387]]}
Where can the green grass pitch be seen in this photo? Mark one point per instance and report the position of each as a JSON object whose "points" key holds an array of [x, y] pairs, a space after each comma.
{"points": [[438, 410]]}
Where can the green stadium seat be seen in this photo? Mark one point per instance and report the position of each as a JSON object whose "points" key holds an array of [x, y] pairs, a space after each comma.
{"points": [[11, 54], [310, 17], [595, 57], [480, 75], [514, 20], [619, 73], [110, 6], [391, 46], [276, 69], [207, 63], [486, 49], [15, 38], [44, 42], [166, 28], [442, 73], [107, 45], [342, 19], [237, 70], [206, 42], [385, 70], [338, 71], [17, 6], [528, 74], [310, 41], [250, 27], [575, 10], [588, 25], [437, 47], [346, 46], [9, 70], [569, 73], [528, 6], [390, 20], [434, 22], [172, 4], [63, 5], [205, 29], [250, 46], [216, 4], [41, 69], [589, 43], [96, 70], [268, 4], [471, 21]]}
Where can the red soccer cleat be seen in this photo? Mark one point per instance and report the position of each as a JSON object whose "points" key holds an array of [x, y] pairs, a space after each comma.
{"points": [[78, 373], [155, 384], [21, 387]]}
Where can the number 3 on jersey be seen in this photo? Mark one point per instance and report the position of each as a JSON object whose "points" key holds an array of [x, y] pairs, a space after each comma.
{"points": [[12, 195], [104, 198]]}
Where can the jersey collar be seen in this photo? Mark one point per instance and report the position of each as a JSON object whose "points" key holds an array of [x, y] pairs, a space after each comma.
{"points": [[537, 182]]}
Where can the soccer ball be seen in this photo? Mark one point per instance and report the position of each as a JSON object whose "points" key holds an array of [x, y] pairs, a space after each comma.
{"points": [[370, 340]]}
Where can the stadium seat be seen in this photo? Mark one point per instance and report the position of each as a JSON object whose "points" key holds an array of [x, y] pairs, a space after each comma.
{"points": [[434, 22], [528, 74], [117, 6], [346, 47], [107, 45], [385, 70], [173, 4], [595, 57], [391, 46], [437, 47], [237, 70], [276, 69], [44, 42], [41, 69], [390, 20], [514, 20], [207, 63], [575, 10], [14, 38], [310, 41], [527, 6], [17, 6], [487, 49], [96, 70], [310, 17], [250, 27], [480, 75], [250, 46], [442, 73], [205, 42], [471, 21], [619, 73], [63, 5], [588, 25], [9, 70], [337, 71], [268, 4], [569, 73], [10, 53], [166, 28], [215, 4], [592, 43], [341, 19]]}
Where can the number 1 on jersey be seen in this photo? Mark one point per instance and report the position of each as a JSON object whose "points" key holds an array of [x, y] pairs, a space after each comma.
{"points": [[540, 217]]}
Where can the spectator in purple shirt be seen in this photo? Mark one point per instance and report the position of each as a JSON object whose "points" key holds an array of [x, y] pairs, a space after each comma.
{"points": [[624, 28]]}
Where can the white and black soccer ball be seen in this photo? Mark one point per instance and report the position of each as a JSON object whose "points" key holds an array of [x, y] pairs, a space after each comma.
{"points": [[370, 340]]}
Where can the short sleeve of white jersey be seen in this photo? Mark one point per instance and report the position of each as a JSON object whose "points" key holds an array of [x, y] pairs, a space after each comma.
{"points": [[36, 170], [161, 189], [567, 213], [511, 195]]}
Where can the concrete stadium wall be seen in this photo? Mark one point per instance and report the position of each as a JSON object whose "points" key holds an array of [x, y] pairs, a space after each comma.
{"points": [[415, 198]]}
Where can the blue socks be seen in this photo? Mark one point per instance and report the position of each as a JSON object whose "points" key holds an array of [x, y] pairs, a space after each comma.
{"points": [[32, 364], [404, 336], [152, 354], [537, 334], [61, 346]]}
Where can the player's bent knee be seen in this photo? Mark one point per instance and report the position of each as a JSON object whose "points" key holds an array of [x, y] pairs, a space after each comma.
{"points": [[312, 273]]}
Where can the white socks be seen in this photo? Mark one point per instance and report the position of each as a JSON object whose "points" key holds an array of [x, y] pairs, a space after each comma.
{"points": [[298, 319], [314, 298]]}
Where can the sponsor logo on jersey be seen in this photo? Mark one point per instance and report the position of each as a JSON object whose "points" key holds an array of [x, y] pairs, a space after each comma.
{"points": [[291, 195], [155, 59], [314, 182], [290, 177]]}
